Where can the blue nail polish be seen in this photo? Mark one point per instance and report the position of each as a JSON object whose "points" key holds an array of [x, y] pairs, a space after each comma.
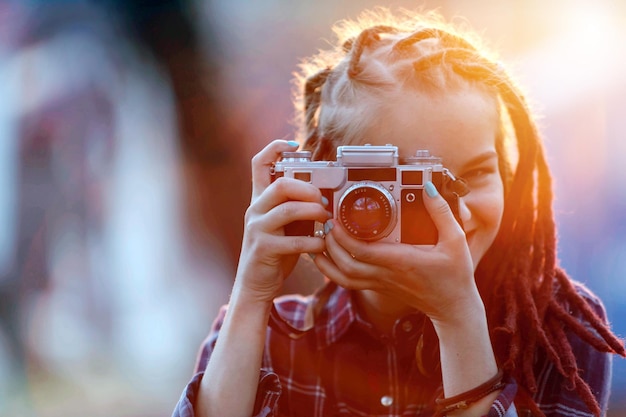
{"points": [[312, 255], [431, 190], [328, 226], [325, 201], [293, 143]]}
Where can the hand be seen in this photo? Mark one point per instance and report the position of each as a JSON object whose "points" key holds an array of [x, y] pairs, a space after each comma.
{"points": [[438, 280], [267, 255]]}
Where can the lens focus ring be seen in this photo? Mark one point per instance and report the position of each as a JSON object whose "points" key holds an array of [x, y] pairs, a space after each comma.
{"points": [[367, 210]]}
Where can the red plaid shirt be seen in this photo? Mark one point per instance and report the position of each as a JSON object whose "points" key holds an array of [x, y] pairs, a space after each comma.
{"points": [[322, 359]]}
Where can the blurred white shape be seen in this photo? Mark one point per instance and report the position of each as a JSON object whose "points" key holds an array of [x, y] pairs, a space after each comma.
{"points": [[8, 169]]}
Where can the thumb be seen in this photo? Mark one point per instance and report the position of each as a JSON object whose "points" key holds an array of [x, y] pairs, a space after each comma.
{"points": [[441, 213]]}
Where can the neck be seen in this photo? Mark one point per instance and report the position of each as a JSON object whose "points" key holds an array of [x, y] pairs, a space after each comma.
{"points": [[379, 310]]}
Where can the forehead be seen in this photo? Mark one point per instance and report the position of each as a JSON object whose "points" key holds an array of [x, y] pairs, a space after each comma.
{"points": [[455, 126]]}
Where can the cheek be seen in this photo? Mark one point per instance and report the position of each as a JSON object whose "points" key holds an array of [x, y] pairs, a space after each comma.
{"points": [[487, 207], [491, 210], [487, 212]]}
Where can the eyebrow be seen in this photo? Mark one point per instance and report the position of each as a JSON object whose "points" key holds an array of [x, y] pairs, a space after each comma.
{"points": [[479, 159]]}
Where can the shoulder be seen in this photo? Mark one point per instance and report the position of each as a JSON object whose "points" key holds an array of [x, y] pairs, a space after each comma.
{"points": [[591, 300]]}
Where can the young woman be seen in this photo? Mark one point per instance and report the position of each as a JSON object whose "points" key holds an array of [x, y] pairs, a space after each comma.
{"points": [[481, 323]]}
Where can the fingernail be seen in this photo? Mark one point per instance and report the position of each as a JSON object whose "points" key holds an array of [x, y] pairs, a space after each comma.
{"points": [[431, 190], [324, 201], [328, 226], [293, 143], [312, 255]]}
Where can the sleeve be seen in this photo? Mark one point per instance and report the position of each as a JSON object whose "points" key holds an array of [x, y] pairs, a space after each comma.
{"points": [[266, 404], [184, 408], [268, 391], [503, 406]]}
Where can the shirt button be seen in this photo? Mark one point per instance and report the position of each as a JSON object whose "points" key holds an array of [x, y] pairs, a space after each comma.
{"points": [[407, 326], [386, 400]]}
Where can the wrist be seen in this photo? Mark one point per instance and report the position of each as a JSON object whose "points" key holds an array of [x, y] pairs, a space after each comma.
{"points": [[465, 312], [251, 300], [255, 287]]}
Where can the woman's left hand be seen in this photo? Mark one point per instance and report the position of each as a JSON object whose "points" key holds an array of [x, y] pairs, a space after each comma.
{"points": [[433, 279]]}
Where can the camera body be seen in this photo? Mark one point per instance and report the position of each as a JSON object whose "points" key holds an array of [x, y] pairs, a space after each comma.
{"points": [[372, 195]]}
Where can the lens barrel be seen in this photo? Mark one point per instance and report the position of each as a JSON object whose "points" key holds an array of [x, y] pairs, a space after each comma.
{"points": [[368, 211]]}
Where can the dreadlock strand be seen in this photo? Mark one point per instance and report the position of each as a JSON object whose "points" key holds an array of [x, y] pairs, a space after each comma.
{"points": [[312, 99], [446, 38], [530, 330], [543, 257], [544, 205], [527, 147], [526, 399], [611, 342], [528, 355], [587, 396], [324, 147], [605, 342], [312, 95], [567, 361], [512, 324], [545, 342], [364, 39]]}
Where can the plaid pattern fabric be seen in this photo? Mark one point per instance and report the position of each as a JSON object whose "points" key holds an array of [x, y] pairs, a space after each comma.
{"points": [[322, 359]]}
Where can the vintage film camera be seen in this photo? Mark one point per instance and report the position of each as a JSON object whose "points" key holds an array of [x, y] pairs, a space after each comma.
{"points": [[371, 195]]}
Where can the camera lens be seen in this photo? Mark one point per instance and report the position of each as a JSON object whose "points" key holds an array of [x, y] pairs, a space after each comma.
{"points": [[367, 211]]}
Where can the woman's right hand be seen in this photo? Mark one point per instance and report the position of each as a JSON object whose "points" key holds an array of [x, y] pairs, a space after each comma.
{"points": [[267, 255]]}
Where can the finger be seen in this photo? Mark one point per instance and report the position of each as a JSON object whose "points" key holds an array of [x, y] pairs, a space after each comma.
{"points": [[441, 214], [287, 189], [356, 259], [292, 245], [328, 267], [343, 258], [291, 211], [386, 254], [262, 162]]}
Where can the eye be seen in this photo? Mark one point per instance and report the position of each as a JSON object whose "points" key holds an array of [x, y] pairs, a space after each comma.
{"points": [[474, 173], [479, 173]]}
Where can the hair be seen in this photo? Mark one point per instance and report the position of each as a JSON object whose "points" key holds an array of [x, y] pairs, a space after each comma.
{"points": [[530, 301]]}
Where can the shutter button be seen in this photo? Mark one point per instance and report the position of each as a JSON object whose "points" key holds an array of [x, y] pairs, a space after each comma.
{"points": [[386, 400]]}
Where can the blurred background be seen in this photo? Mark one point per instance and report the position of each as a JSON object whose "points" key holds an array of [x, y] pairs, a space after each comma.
{"points": [[126, 130]]}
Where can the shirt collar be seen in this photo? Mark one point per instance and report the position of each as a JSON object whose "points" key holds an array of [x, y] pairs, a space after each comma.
{"points": [[329, 313]]}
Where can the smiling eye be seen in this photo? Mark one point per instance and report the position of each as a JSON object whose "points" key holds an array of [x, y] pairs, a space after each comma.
{"points": [[475, 173], [478, 173]]}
